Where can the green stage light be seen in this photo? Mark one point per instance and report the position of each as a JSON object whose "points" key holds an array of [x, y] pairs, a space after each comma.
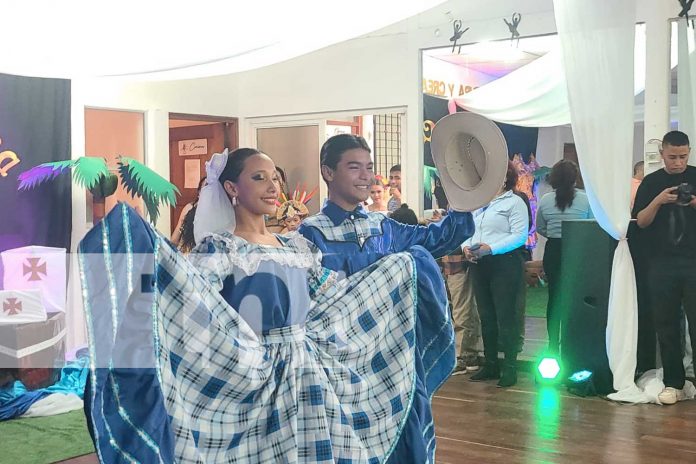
{"points": [[580, 376], [549, 368], [581, 384]]}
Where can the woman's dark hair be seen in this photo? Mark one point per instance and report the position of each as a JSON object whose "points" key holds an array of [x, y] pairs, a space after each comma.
{"points": [[201, 183], [439, 193], [563, 177], [510, 177], [282, 174], [405, 215], [334, 147], [235, 163], [187, 242]]}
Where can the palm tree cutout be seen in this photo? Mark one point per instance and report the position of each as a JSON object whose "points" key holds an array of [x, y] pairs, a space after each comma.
{"points": [[94, 175]]}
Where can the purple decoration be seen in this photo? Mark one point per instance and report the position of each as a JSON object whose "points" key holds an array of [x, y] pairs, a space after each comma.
{"points": [[39, 174]]}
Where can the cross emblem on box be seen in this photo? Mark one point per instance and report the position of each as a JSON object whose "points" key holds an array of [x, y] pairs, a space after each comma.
{"points": [[34, 269], [12, 307]]}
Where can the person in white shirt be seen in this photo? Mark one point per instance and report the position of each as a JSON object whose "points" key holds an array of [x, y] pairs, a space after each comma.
{"points": [[500, 230]]}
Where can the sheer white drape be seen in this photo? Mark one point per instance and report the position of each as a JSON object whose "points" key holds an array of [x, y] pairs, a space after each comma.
{"points": [[536, 94], [596, 39]]}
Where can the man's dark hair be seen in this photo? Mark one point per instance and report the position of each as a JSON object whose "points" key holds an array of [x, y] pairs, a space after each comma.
{"points": [[334, 147], [675, 139], [637, 166], [395, 168]]}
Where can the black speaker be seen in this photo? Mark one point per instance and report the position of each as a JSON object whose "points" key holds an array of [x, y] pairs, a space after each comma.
{"points": [[587, 253]]}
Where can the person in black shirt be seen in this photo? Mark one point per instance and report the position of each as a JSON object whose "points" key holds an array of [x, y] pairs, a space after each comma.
{"points": [[665, 209]]}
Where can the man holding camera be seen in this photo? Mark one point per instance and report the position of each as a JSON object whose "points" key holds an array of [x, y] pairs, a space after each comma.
{"points": [[665, 207]]}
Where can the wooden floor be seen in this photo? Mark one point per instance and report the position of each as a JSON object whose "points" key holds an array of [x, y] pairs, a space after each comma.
{"points": [[479, 423], [535, 339]]}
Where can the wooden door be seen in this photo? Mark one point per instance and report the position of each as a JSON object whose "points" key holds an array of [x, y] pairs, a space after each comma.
{"points": [[219, 135]]}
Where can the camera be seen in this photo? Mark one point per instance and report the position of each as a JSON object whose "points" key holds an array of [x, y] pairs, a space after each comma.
{"points": [[684, 192]]}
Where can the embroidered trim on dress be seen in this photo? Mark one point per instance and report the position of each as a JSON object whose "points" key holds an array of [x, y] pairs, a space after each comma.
{"points": [[236, 252]]}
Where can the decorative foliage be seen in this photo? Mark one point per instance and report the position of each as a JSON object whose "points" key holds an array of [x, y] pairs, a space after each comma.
{"points": [[457, 34], [140, 180], [93, 174], [541, 173], [105, 187], [86, 172], [512, 26], [429, 175]]}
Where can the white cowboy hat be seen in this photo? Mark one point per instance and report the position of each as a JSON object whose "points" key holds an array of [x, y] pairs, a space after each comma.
{"points": [[471, 158]]}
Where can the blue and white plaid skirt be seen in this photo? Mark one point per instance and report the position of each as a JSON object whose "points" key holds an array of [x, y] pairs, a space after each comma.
{"points": [[178, 376]]}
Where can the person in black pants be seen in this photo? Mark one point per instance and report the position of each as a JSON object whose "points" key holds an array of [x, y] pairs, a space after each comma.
{"points": [[521, 304], [665, 208], [500, 230]]}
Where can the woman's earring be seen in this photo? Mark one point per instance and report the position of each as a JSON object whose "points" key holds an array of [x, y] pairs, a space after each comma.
{"points": [[234, 201]]}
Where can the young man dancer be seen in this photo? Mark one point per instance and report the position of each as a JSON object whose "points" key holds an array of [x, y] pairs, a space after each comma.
{"points": [[351, 238]]}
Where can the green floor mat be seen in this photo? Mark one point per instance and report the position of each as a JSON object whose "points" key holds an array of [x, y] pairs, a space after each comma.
{"points": [[43, 440], [537, 297]]}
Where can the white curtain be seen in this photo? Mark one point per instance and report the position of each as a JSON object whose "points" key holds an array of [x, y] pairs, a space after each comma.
{"points": [[687, 79], [532, 96], [536, 94], [596, 37]]}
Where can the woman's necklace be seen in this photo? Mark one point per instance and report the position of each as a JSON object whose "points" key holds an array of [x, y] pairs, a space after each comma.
{"points": [[259, 239]]}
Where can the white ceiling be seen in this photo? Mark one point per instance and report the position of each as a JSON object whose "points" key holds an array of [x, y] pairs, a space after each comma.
{"points": [[177, 39], [478, 10]]}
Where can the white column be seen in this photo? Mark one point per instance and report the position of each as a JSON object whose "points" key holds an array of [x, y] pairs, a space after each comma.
{"points": [[412, 128], [74, 313], [687, 81], [77, 144], [657, 77], [157, 156]]}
